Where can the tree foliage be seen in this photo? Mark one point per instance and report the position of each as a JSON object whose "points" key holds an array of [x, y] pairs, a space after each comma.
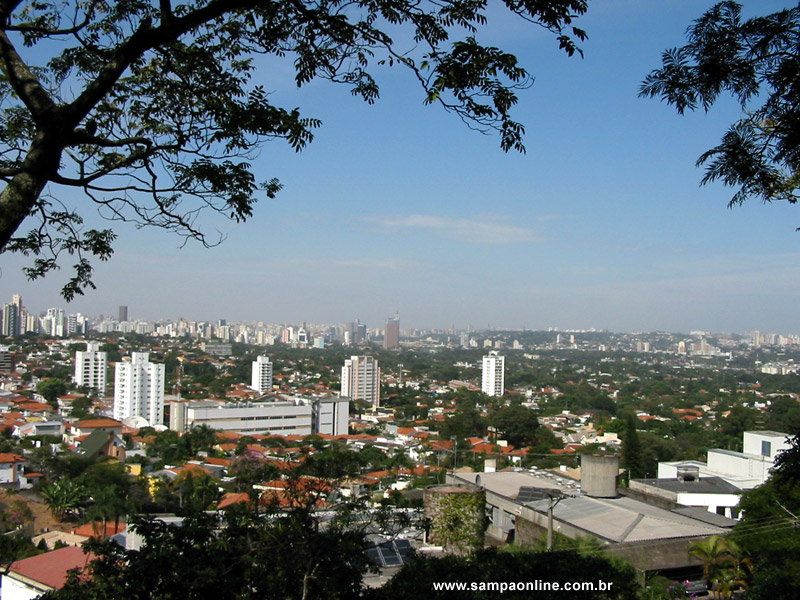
{"points": [[416, 579], [768, 530], [516, 424], [50, 389], [756, 61], [151, 109], [62, 497], [632, 457], [205, 557]]}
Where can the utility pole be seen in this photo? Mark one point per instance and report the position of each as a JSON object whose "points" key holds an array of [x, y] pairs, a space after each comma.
{"points": [[554, 500]]}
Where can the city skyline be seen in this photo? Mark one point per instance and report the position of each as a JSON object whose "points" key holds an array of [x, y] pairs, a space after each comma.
{"points": [[49, 325], [602, 224]]}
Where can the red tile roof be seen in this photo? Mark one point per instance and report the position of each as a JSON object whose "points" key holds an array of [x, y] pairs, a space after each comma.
{"points": [[51, 568], [89, 423], [8, 457], [232, 498], [95, 530]]}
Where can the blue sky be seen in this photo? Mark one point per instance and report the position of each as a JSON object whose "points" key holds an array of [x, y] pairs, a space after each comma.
{"points": [[400, 207]]}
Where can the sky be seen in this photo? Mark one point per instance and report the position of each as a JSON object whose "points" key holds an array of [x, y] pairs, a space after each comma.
{"points": [[399, 207]]}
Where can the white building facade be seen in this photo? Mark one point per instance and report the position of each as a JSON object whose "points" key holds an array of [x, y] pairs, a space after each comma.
{"points": [[745, 470], [331, 416], [261, 380], [139, 389], [90, 368], [295, 416], [494, 374], [361, 380]]}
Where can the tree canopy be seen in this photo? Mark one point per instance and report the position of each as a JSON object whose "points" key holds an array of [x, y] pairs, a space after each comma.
{"points": [[758, 63], [152, 111]]}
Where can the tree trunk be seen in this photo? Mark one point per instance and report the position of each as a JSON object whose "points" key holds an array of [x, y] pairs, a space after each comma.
{"points": [[23, 190]]}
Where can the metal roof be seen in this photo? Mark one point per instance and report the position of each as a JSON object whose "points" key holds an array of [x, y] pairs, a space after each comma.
{"points": [[625, 519]]}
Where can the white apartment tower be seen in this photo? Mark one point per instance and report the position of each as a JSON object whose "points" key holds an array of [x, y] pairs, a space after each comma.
{"points": [[90, 368], [493, 380], [139, 389], [262, 375], [361, 380]]}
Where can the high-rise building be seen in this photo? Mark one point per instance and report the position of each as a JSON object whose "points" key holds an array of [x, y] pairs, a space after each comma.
{"points": [[53, 323], [139, 389], [90, 368], [493, 380], [361, 380], [262, 374], [361, 333], [123, 314], [11, 320], [391, 335]]}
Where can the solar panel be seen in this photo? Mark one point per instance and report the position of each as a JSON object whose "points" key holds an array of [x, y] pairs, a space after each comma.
{"points": [[391, 553], [403, 547], [390, 557]]}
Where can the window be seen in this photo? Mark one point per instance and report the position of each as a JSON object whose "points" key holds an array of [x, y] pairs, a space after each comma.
{"points": [[766, 448]]}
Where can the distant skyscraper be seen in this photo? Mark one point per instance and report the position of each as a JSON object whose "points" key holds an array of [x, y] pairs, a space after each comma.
{"points": [[361, 380], [54, 322], [261, 380], [493, 380], [90, 368], [139, 389], [391, 336], [11, 320], [123, 314]]}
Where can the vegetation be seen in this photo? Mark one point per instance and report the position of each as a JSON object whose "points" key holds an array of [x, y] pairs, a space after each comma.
{"points": [[416, 580], [161, 114], [757, 62], [289, 557], [62, 497]]}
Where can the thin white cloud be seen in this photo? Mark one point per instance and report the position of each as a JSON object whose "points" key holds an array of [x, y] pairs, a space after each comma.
{"points": [[360, 263], [480, 229]]}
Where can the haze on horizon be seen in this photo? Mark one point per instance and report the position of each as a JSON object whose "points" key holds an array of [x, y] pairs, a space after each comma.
{"points": [[400, 207]]}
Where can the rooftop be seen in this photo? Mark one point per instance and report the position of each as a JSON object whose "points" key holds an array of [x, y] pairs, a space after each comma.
{"points": [[51, 568], [625, 520], [702, 485]]}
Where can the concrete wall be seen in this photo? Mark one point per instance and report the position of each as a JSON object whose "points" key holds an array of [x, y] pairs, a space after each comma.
{"points": [[753, 440]]}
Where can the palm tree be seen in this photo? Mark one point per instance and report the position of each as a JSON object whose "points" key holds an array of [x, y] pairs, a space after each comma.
{"points": [[727, 580], [711, 551], [108, 504]]}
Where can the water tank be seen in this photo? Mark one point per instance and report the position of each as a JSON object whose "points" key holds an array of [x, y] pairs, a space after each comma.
{"points": [[599, 475]]}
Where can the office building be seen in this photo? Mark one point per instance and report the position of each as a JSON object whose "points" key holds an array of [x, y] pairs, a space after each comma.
{"points": [[361, 380], [493, 379], [296, 416], [123, 314], [261, 380], [391, 335], [90, 368], [139, 389], [11, 320]]}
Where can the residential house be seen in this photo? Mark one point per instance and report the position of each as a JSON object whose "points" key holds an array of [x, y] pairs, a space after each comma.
{"points": [[31, 577]]}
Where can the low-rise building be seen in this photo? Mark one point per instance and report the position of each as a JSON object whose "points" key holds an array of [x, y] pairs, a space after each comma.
{"points": [[298, 416], [31, 577], [520, 504], [745, 470]]}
